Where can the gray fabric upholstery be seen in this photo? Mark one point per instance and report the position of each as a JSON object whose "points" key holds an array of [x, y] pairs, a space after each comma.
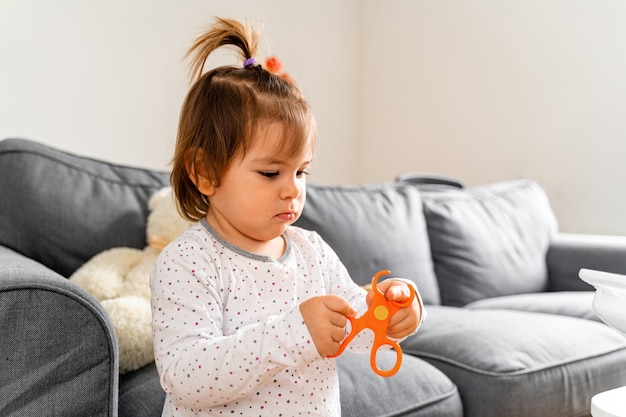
{"points": [[57, 345], [418, 389], [54, 203], [564, 303], [514, 364], [489, 241], [391, 233], [141, 394], [570, 252]]}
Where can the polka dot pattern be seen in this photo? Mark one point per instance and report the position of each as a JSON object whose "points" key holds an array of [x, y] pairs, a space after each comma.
{"points": [[229, 338]]}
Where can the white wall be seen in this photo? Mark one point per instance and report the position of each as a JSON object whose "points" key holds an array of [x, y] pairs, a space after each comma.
{"points": [[500, 89], [106, 79], [487, 90]]}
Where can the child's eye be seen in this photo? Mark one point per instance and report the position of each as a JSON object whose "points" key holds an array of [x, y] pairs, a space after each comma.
{"points": [[269, 174], [301, 173]]}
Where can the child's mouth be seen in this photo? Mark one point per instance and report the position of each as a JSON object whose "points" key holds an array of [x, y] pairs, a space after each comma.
{"points": [[288, 217]]}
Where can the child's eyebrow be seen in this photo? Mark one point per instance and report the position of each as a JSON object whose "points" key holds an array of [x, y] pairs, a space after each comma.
{"points": [[268, 158], [267, 161], [272, 160]]}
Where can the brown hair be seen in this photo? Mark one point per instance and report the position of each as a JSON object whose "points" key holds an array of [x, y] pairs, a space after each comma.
{"points": [[224, 107]]}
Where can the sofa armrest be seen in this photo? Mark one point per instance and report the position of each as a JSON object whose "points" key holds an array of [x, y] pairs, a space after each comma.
{"points": [[569, 252], [58, 352]]}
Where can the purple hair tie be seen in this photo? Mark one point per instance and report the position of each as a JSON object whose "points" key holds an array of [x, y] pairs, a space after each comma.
{"points": [[248, 62]]}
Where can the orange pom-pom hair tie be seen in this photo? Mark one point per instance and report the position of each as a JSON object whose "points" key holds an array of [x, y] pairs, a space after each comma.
{"points": [[273, 65]]}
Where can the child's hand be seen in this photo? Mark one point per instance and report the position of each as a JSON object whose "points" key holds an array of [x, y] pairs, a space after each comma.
{"points": [[404, 321], [326, 317]]}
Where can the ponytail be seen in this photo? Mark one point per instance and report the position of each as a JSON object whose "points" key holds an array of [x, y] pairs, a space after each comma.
{"points": [[223, 32]]}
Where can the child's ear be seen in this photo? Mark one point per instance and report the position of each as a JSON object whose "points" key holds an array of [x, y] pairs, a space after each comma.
{"points": [[199, 175]]}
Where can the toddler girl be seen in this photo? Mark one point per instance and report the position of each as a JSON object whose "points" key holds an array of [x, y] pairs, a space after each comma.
{"points": [[247, 308]]}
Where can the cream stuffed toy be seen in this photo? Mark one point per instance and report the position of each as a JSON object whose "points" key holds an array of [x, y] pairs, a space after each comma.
{"points": [[119, 279]]}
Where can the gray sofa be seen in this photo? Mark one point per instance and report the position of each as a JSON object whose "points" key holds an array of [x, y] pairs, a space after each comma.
{"points": [[510, 330]]}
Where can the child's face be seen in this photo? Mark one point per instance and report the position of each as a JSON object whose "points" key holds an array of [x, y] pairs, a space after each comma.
{"points": [[261, 193]]}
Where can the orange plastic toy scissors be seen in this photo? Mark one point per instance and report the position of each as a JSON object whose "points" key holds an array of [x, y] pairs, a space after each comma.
{"points": [[377, 318]]}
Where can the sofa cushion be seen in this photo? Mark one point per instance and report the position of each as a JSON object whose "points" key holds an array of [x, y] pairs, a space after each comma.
{"points": [[140, 393], [417, 390], [93, 205], [489, 241], [566, 303], [374, 227], [512, 363]]}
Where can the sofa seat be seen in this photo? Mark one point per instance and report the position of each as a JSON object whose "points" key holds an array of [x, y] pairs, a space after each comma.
{"points": [[418, 389], [566, 303], [512, 363], [140, 393]]}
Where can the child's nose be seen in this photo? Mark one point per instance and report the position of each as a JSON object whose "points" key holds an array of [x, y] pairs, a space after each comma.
{"points": [[292, 188]]}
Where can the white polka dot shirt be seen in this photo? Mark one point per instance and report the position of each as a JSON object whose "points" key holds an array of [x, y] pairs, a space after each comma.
{"points": [[229, 338]]}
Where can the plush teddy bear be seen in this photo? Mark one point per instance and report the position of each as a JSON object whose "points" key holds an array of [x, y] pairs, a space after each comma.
{"points": [[119, 279]]}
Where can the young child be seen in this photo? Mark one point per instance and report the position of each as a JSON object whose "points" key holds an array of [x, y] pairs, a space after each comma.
{"points": [[247, 308]]}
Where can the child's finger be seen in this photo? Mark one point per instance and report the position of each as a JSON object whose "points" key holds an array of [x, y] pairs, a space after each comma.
{"points": [[339, 305], [394, 290], [397, 291]]}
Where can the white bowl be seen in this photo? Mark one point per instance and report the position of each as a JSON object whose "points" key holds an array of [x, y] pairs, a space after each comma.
{"points": [[609, 301]]}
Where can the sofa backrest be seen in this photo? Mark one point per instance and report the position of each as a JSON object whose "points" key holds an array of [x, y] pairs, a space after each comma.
{"points": [[458, 245], [489, 241], [61, 209], [374, 227]]}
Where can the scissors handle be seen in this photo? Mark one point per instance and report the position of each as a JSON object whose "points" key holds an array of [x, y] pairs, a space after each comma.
{"points": [[377, 318], [373, 355], [381, 312]]}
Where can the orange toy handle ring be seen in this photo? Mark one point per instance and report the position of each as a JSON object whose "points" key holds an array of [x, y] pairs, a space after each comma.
{"points": [[396, 367]]}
